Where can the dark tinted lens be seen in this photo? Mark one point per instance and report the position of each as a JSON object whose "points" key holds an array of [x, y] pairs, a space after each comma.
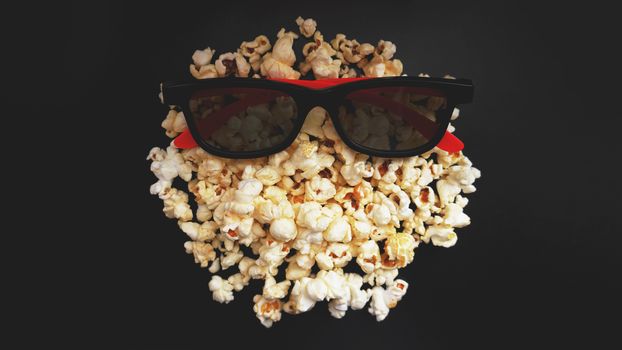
{"points": [[243, 119], [392, 118]]}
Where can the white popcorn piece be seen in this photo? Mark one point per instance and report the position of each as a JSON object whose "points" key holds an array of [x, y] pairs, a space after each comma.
{"points": [[305, 293], [231, 258], [238, 281], [207, 194], [306, 26], [176, 204], [215, 267], [386, 49], [275, 194], [464, 176], [318, 57], [268, 175], [242, 203], [272, 255], [380, 214], [379, 66], [339, 254], [202, 57], [203, 213], [308, 160], [319, 189], [350, 50], [354, 297], [424, 198], [253, 51], [278, 64], [441, 235], [355, 171], [174, 123], [381, 277], [382, 300], [166, 166], [232, 63], [368, 256], [461, 201], [295, 272], [222, 290], [283, 229], [201, 67], [273, 290], [311, 215], [199, 232], [455, 216], [203, 252], [267, 311], [400, 247], [335, 283], [338, 230]]}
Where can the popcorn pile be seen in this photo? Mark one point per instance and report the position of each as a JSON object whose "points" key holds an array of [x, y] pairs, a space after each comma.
{"points": [[316, 208]]}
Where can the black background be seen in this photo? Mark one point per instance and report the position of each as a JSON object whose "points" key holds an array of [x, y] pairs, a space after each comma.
{"points": [[538, 266]]}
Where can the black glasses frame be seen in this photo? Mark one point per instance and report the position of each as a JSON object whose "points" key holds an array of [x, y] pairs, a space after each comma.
{"points": [[456, 91]]}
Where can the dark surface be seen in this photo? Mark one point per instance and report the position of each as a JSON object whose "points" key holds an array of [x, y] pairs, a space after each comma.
{"points": [[538, 266]]}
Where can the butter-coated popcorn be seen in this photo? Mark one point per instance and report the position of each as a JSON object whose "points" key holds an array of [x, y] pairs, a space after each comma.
{"points": [[317, 206]]}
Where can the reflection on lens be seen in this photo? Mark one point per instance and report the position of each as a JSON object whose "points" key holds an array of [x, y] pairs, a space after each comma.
{"points": [[243, 119], [392, 118]]}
